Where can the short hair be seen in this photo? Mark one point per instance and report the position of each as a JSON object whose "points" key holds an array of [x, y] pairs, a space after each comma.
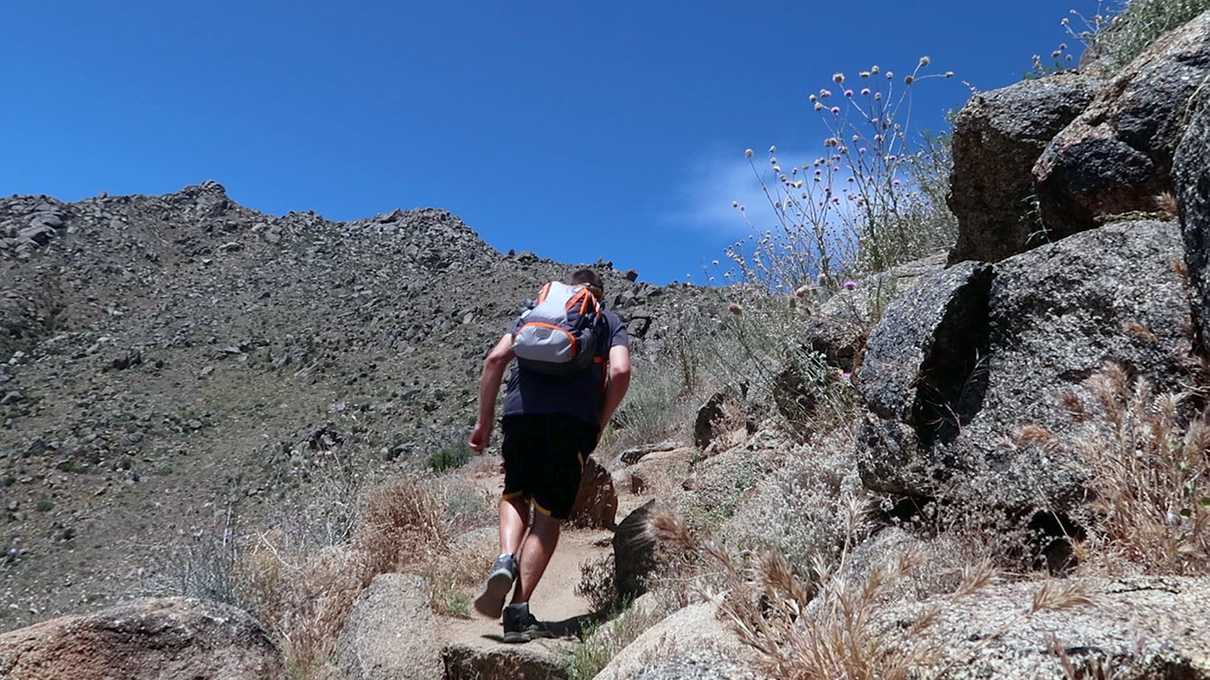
{"points": [[589, 278]]}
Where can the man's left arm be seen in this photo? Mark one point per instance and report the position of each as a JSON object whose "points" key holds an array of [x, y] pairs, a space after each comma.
{"points": [[619, 382]]}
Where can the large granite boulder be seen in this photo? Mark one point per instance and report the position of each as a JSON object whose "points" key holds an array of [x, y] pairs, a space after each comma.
{"points": [[152, 639], [596, 504], [958, 365], [1192, 175], [1130, 628], [390, 633], [998, 136], [1116, 157], [691, 644]]}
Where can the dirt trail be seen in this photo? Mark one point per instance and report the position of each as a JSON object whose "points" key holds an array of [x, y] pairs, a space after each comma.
{"points": [[475, 648]]}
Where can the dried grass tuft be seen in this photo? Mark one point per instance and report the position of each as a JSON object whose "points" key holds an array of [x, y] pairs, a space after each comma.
{"points": [[1150, 481]]}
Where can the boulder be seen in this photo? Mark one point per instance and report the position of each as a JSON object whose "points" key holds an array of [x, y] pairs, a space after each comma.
{"points": [[691, 643], [1116, 157], [390, 633], [635, 551], [998, 136], [721, 414], [1192, 176], [957, 366], [1133, 628], [538, 660], [596, 503], [153, 639]]}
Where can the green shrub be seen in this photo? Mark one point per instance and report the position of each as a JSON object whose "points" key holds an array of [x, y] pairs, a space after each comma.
{"points": [[1140, 23], [451, 456]]}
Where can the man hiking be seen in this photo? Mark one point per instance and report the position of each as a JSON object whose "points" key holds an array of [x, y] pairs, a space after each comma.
{"points": [[573, 368]]}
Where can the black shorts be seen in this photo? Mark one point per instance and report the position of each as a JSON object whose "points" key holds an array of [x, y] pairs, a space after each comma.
{"points": [[543, 459]]}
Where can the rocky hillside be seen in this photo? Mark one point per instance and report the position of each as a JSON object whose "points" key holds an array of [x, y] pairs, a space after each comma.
{"points": [[163, 355]]}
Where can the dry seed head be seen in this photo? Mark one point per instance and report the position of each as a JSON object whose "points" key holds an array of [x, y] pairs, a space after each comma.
{"points": [[1033, 434], [1166, 203], [1054, 597]]}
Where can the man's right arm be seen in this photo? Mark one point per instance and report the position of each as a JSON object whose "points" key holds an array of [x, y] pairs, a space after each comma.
{"points": [[489, 386]]}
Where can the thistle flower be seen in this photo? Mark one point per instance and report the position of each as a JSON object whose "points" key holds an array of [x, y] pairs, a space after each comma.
{"points": [[909, 79], [773, 149], [734, 204], [865, 91], [818, 106], [838, 78], [848, 93], [864, 74], [949, 74], [735, 309], [890, 75], [874, 69], [850, 284], [811, 97], [747, 153], [825, 93], [924, 61], [835, 110]]}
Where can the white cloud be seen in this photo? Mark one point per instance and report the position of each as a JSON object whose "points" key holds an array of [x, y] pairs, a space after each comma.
{"points": [[714, 183]]}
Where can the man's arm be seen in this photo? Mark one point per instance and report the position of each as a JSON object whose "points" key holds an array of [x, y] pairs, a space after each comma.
{"points": [[489, 386], [619, 381]]}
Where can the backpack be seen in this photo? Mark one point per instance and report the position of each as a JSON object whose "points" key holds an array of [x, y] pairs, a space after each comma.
{"points": [[561, 331]]}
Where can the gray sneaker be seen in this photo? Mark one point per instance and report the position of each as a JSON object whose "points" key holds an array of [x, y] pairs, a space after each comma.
{"points": [[491, 602], [521, 626]]}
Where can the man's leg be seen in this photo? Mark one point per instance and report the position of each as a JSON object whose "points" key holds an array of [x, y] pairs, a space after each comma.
{"points": [[514, 519], [539, 546]]}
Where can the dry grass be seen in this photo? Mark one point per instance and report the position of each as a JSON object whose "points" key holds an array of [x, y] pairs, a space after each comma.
{"points": [[300, 580], [1150, 480]]}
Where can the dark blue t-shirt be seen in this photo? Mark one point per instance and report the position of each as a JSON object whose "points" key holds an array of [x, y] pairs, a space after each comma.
{"points": [[580, 395]]}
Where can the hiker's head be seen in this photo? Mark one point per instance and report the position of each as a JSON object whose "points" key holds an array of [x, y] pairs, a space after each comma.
{"points": [[591, 279]]}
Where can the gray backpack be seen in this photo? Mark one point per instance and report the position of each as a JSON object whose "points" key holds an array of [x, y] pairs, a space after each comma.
{"points": [[561, 332]]}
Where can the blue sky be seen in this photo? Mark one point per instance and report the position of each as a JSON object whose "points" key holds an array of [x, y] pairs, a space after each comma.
{"points": [[576, 130]]}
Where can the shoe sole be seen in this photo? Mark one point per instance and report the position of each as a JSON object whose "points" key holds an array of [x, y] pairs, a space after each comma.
{"points": [[491, 602], [519, 638]]}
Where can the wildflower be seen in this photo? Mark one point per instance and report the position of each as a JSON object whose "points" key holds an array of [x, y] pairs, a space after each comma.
{"points": [[734, 204], [811, 98], [835, 110], [865, 91], [949, 74], [864, 74], [848, 93], [909, 79], [735, 309], [1056, 54], [714, 262], [924, 61], [773, 149], [824, 94], [874, 69], [877, 96], [818, 106], [890, 75], [846, 376], [747, 153], [838, 78], [850, 284]]}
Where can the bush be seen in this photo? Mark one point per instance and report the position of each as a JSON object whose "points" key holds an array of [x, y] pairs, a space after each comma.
{"points": [[604, 641], [449, 457], [1138, 25], [1150, 479], [868, 202], [655, 408], [301, 578]]}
